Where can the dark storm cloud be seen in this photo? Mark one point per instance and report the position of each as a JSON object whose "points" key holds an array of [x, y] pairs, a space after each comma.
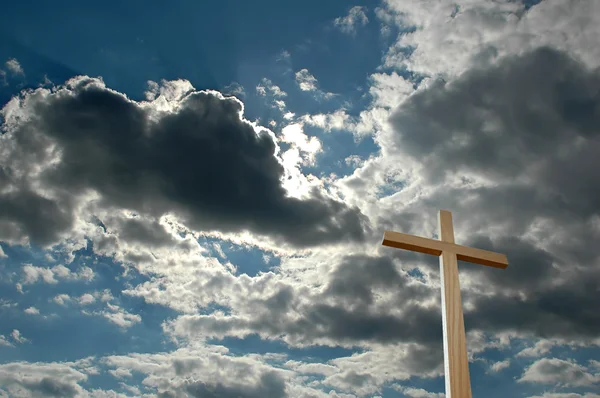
{"points": [[529, 125], [202, 162], [502, 120]]}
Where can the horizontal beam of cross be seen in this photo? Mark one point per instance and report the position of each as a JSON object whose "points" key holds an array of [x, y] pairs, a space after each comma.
{"points": [[436, 247]]}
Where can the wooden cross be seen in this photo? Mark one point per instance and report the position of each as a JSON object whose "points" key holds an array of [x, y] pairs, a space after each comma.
{"points": [[456, 362]]}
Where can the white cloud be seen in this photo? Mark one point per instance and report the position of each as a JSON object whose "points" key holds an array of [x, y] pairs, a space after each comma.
{"points": [[17, 337], [501, 365], [309, 147], [305, 80], [266, 87], [540, 348], [4, 341], [86, 299], [338, 120], [2, 255], [165, 96], [417, 392], [32, 274], [120, 317], [120, 373], [356, 17], [447, 42], [61, 299], [32, 311], [235, 89], [559, 372], [14, 67]]}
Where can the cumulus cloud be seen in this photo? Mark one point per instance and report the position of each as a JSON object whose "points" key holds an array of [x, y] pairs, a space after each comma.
{"points": [[559, 372], [417, 392], [18, 337], [61, 299], [33, 274], [448, 37], [95, 143], [22, 379], [121, 318], [305, 80], [356, 17], [5, 342], [499, 146], [267, 87], [32, 311], [169, 374], [307, 147], [86, 299], [496, 139], [14, 67], [500, 365]]}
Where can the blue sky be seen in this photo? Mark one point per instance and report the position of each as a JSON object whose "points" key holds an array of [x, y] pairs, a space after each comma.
{"points": [[193, 196]]}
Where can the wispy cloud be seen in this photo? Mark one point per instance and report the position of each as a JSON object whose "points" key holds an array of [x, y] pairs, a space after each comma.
{"points": [[356, 17]]}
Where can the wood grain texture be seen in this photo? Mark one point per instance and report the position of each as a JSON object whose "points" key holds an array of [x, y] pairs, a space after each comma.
{"points": [[456, 361]]}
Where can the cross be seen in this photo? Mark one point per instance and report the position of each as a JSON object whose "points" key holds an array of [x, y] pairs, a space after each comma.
{"points": [[456, 362]]}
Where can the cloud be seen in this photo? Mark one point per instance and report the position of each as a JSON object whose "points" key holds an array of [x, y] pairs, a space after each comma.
{"points": [[559, 372], [86, 299], [32, 311], [305, 80], [540, 348], [268, 88], [448, 38], [33, 274], [121, 318], [14, 67], [417, 392], [17, 337], [61, 299], [41, 380], [215, 373], [4, 341], [503, 162], [121, 153], [356, 17], [307, 147], [501, 365], [235, 89]]}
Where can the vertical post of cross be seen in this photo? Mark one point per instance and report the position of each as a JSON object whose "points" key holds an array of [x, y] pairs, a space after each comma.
{"points": [[456, 361]]}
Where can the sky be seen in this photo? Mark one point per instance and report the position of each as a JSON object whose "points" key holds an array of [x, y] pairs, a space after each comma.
{"points": [[193, 196]]}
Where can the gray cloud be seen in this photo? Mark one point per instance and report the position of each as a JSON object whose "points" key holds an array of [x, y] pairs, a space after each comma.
{"points": [[202, 161], [522, 136], [269, 385], [41, 380], [558, 372], [366, 300]]}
